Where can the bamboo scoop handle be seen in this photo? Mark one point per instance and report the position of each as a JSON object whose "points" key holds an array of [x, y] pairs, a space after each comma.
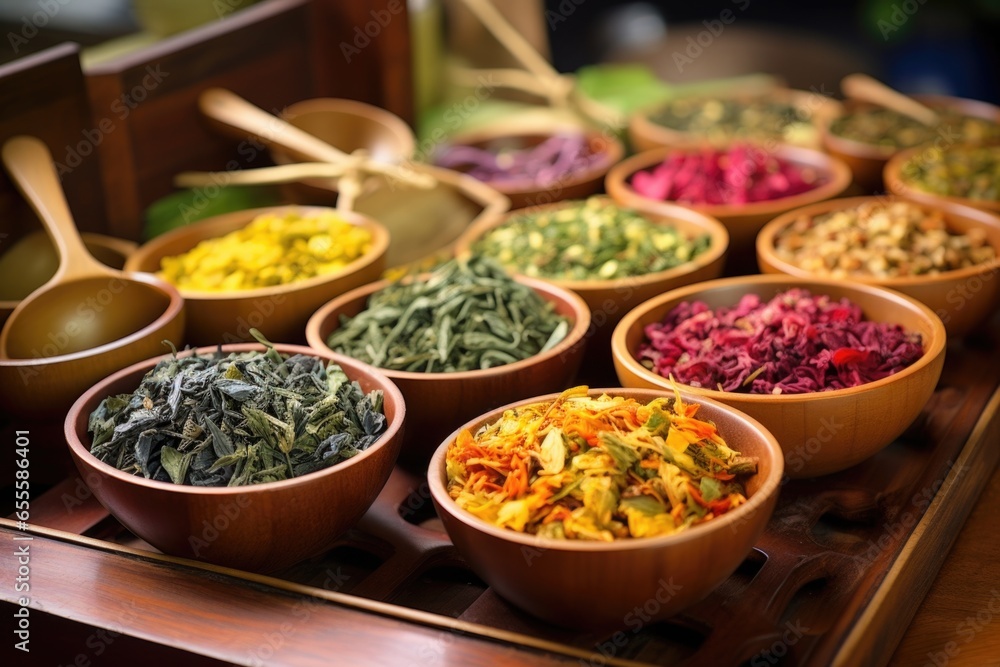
{"points": [[865, 88], [30, 165], [230, 109], [511, 39]]}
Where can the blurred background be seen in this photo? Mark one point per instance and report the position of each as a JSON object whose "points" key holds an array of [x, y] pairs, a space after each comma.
{"points": [[913, 45]]}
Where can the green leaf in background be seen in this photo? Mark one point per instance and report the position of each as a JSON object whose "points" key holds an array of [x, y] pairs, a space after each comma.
{"points": [[186, 206], [622, 87]]}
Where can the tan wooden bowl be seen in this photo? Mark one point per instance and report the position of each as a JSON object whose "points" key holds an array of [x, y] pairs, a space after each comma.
{"points": [[867, 161], [962, 299], [599, 585], [348, 125], [279, 312], [644, 134], [438, 402], [528, 192], [896, 182], [45, 387], [262, 527], [820, 432], [743, 221], [609, 300], [108, 250]]}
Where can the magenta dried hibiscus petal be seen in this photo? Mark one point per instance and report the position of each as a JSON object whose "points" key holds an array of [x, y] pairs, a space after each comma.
{"points": [[795, 343]]}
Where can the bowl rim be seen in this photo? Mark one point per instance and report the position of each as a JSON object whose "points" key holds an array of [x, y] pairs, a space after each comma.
{"points": [[120, 246], [641, 122], [612, 150], [173, 312], [387, 119], [892, 175], [936, 348], [717, 249], [770, 485], [380, 244], [574, 337], [836, 170], [860, 149], [82, 453], [769, 233]]}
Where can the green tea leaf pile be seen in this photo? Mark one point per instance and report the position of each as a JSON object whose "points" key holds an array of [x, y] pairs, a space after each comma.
{"points": [[467, 314], [237, 419]]}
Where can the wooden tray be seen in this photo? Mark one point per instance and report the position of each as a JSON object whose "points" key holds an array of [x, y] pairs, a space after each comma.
{"points": [[835, 579]]}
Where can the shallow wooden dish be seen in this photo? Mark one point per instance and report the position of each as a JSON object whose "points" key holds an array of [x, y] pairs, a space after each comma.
{"points": [[438, 402], [645, 134], [108, 250], [609, 300], [587, 584], [819, 432], [742, 221], [44, 387], [349, 125], [868, 161], [279, 312], [262, 527], [897, 184], [962, 299], [528, 192]]}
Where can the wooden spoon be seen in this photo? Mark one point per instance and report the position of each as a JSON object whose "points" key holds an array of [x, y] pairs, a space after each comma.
{"points": [[866, 89], [234, 112], [85, 304]]}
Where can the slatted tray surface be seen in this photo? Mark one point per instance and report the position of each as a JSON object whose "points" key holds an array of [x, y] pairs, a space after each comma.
{"points": [[836, 548]]}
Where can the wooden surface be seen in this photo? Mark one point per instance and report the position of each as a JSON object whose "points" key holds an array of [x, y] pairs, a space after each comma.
{"points": [[958, 623]]}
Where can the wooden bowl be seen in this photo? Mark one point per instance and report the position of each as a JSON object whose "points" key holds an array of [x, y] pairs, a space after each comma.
{"points": [[262, 527], [45, 386], [348, 125], [438, 402], [743, 221], [962, 299], [644, 134], [820, 432], [279, 312], [609, 300], [601, 585], [867, 162], [43, 262], [528, 192], [897, 184]]}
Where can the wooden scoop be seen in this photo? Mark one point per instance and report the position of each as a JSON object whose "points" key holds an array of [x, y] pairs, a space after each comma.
{"points": [[234, 112], [85, 304], [866, 89]]}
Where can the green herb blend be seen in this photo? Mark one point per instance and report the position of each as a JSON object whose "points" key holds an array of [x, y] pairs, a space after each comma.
{"points": [[467, 314], [892, 130], [232, 420], [588, 240], [963, 171], [721, 119]]}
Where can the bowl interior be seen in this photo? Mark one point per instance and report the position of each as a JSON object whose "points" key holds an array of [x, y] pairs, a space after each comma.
{"points": [[740, 432], [877, 304]]}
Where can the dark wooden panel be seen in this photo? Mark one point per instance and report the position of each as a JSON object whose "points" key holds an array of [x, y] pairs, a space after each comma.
{"points": [[45, 95], [262, 53]]}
